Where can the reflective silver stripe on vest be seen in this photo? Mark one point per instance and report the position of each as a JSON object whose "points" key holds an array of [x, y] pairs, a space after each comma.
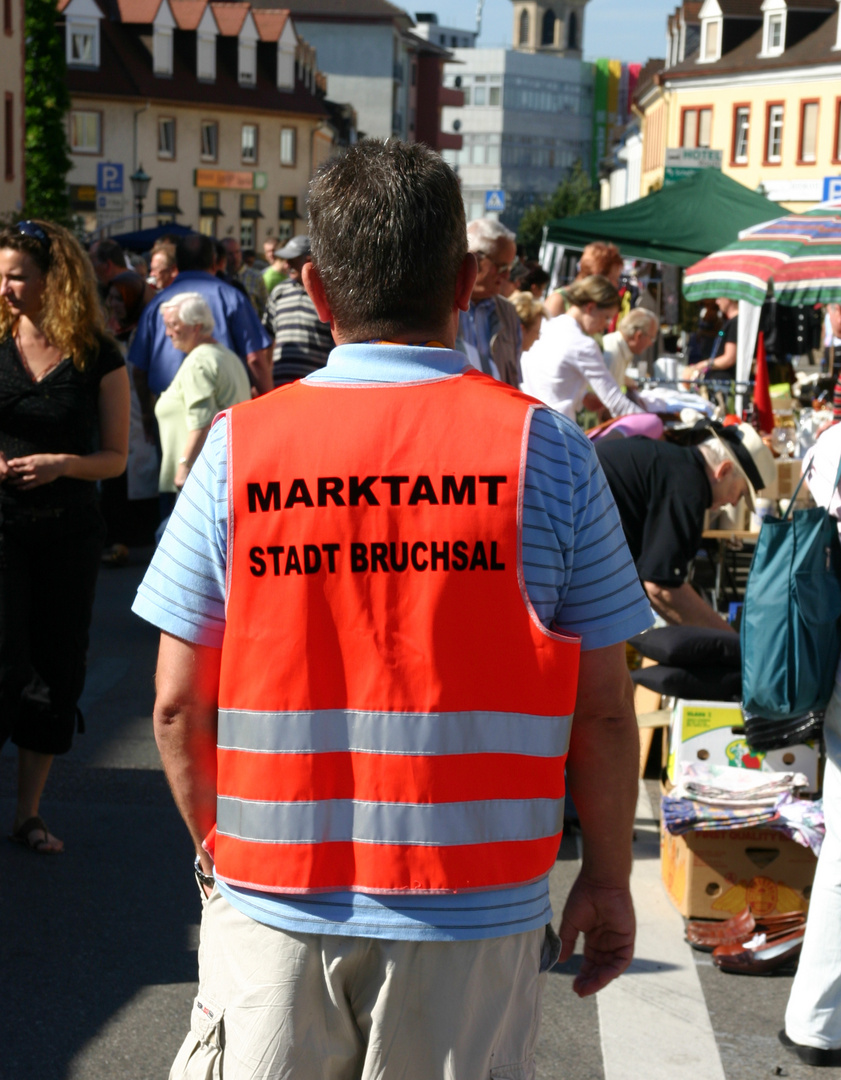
{"points": [[335, 730], [438, 824]]}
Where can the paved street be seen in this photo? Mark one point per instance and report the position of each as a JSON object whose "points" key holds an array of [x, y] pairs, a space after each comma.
{"points": [[98, 945]]}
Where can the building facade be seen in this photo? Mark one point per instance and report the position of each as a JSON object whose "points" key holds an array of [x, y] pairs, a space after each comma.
{"points": [[221, 105], [373, 58], [525, 121], [762, 84], [12, 185]]}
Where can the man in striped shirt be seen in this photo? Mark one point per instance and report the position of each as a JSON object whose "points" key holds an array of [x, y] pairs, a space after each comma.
{"points": [[302, 342], [323, 983]]}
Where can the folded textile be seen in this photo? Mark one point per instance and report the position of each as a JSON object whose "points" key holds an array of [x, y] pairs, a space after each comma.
{"points": [[723, 785], [664, 400], [799, 819]]}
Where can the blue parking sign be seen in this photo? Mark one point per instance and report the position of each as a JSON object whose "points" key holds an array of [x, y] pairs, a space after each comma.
{"points": [[109, 178], [494, 202], [831, 188]]}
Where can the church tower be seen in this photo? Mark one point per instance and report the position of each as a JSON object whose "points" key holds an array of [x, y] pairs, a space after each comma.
{"points": [[555, 27]]}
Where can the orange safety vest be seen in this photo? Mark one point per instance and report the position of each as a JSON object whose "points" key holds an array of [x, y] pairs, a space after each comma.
{"points": [[392, 714]]}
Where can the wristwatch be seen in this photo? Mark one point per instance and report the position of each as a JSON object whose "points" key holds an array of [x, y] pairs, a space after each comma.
{"points": [[208, 880]]}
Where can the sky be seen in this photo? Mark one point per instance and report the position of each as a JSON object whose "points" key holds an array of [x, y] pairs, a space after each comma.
{"points": [[612, 28]]}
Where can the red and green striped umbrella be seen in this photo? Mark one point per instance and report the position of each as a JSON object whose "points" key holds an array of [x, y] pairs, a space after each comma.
{"points": [[798, 255]]}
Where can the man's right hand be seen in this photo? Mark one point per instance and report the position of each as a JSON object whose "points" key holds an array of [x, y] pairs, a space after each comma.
{"points": [[605, 916]]}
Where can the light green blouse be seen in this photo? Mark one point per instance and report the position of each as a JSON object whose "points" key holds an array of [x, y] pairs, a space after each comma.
{"points": [[210, 379]]}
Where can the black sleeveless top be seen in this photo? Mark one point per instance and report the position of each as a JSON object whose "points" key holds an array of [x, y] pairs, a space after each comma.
{"points": [[58, 415]]}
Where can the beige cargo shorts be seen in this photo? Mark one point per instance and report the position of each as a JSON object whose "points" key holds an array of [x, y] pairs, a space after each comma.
{"points": [[274, 1005]]}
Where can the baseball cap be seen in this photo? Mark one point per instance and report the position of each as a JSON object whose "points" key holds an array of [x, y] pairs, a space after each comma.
{"points": [[749, 454], [297, 246]]}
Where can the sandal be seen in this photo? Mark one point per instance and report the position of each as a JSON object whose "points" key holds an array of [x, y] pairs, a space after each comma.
{"points": [[26, 834]]}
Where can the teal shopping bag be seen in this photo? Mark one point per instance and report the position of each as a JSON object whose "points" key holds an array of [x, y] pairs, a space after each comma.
{"points": [[790, 631]]}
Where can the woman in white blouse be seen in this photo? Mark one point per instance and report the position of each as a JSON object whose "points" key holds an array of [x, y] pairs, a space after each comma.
{"points": [[565, 361]]}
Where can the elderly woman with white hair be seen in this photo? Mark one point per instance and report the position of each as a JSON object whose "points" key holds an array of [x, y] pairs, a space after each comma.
{"points": [[210, 379], [636, 332]]}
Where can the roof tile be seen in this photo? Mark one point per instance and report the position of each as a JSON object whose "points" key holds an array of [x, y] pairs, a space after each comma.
{"points": [[229, 17], [270, 23]]}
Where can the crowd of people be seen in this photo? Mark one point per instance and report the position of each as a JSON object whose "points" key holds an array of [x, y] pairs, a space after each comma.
{"points": [[452, 574]]}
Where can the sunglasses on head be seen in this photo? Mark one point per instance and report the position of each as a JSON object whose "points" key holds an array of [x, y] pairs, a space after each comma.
{"points": [[34, 232]]}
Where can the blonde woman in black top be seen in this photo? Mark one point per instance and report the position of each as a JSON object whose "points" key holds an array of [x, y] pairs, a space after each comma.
{"points": [[64, 412]]}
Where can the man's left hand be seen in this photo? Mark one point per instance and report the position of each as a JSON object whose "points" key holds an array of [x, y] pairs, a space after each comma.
{"points": [[605, 916]]}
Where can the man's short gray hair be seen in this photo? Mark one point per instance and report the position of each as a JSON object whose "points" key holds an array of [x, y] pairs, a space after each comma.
{"points": [[483, 233], [192, 309], [638, 319]]}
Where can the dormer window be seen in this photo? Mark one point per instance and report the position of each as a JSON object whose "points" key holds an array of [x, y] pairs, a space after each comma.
{"points": [[162, 49], [206, 58], [82, 34], [82, 44], [163, 27], [206, 47], [773, 38], [247, 52], [286, 45], [248, 62], [710, 40]]}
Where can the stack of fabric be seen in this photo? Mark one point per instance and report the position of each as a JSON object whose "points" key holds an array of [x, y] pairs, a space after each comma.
{"points": [[692, 662], [716, 798]]}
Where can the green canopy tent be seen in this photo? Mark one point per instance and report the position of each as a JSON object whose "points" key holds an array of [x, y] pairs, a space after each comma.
{"points": [[679, 224]]}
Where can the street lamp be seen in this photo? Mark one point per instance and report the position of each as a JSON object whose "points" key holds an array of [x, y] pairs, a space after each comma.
{"points": [[140, 182]]}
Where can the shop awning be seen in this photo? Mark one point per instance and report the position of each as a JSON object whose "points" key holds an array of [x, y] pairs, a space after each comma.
{"points": [[679, 224]]}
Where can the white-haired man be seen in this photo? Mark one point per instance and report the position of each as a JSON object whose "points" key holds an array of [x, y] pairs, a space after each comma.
{"points": [[634, 334], [489, 331]]}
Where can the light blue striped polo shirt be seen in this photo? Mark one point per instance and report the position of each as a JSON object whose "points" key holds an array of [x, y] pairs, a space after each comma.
{"points": [[578, 573]]}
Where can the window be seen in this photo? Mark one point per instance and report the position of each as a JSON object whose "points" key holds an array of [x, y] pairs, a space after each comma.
{"points": [[249, 144], [209, 211], [480, 92], [774, 33], [9, 136], [808, 132], [162, 50], [247, 232], [524, 28], [7, 17], [82, 44], [285, 65], [249, 207], [209, 140], [206, 58], [696, 128], [572, 30], [711, 39], [166, 204], [247, 62], [547, 35], [741, 126], [85, 132], [288, 147], [774, 134], [494, 95], [166, 137]]}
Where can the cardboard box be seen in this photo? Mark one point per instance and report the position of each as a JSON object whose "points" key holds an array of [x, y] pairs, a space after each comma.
{"points": [[702, 734], [713, 875]]}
